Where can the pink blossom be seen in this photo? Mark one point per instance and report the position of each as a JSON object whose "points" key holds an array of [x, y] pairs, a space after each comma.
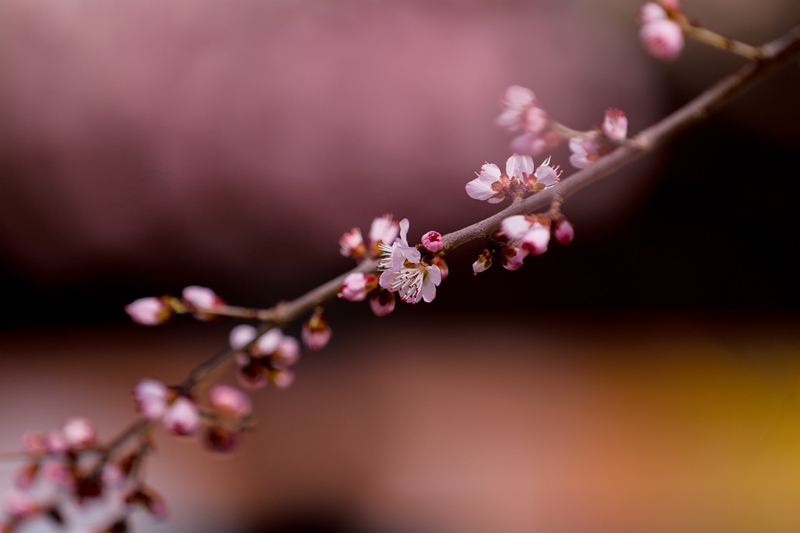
{"points": [[432, 241], [78, 433], [585, 150], [438, 261], [529, 235], [487, 185], [662, 38], [382, 302], [522, 113], [148, 311], [288, 352], [615, 125], [278, 347], [483, 263], [250, 371], [511, 257], [352, 244], [181, 418], [151, 398], [281, 378], [383, 229], [201, 297], [355, 287], [230, 401], [55, 442], [650, 12], [315, 333], [564, 232], [241, 335]]}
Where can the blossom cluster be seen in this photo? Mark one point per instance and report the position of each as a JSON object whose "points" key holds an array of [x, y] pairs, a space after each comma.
{"points": [[267, 360], [67, 469]]}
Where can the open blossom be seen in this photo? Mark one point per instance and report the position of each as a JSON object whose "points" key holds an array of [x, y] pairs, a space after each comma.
{"points": [[181, 417], [230, 401], [78, 433], [661, 36], [149, 311], [519, 180], [404, 271]]}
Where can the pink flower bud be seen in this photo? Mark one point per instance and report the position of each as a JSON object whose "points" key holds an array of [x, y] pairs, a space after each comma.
{"points": [[382, 302], [515, 227], [352, 244], [432, 241], [241, 335], [651, 12], [662, 38], [201, 297], [151, 398], [288, 352], [511, 257], [316, 333], [564, 231], [148, 311], [615, 125], [354, 287], [281, 378], [483, 263], [78, 433], [181, 418], [535, 241], [221, 440], [230, 401]]}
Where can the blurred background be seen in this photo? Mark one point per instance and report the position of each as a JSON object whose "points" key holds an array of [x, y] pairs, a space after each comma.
{"points": [[643, 378]]}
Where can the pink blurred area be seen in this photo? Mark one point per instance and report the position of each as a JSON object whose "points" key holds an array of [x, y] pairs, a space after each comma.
{"points": [[213, 137], [622, 425]]}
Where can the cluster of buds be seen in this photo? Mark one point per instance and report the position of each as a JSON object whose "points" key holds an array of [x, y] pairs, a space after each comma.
{"points": [[662, 32], [591, 145], [523, 235], [412, 272], [68, 467], [226, 417], [519, 180], [152, 310], [267, 360], [382, 230]]}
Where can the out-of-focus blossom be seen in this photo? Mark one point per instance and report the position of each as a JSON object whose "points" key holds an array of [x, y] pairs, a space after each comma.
{"points": [[351, 244], [661, 36], [230, 401], [356, 286], [201, 297], [316, 333], [149, 311], [241, 335], [438, 261], [151, 398], [522, 114], [78, 433], [615, 125], [181, 417], [585, 150], [382, 302], [281, 378], [383, 230], [33, 443]]}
